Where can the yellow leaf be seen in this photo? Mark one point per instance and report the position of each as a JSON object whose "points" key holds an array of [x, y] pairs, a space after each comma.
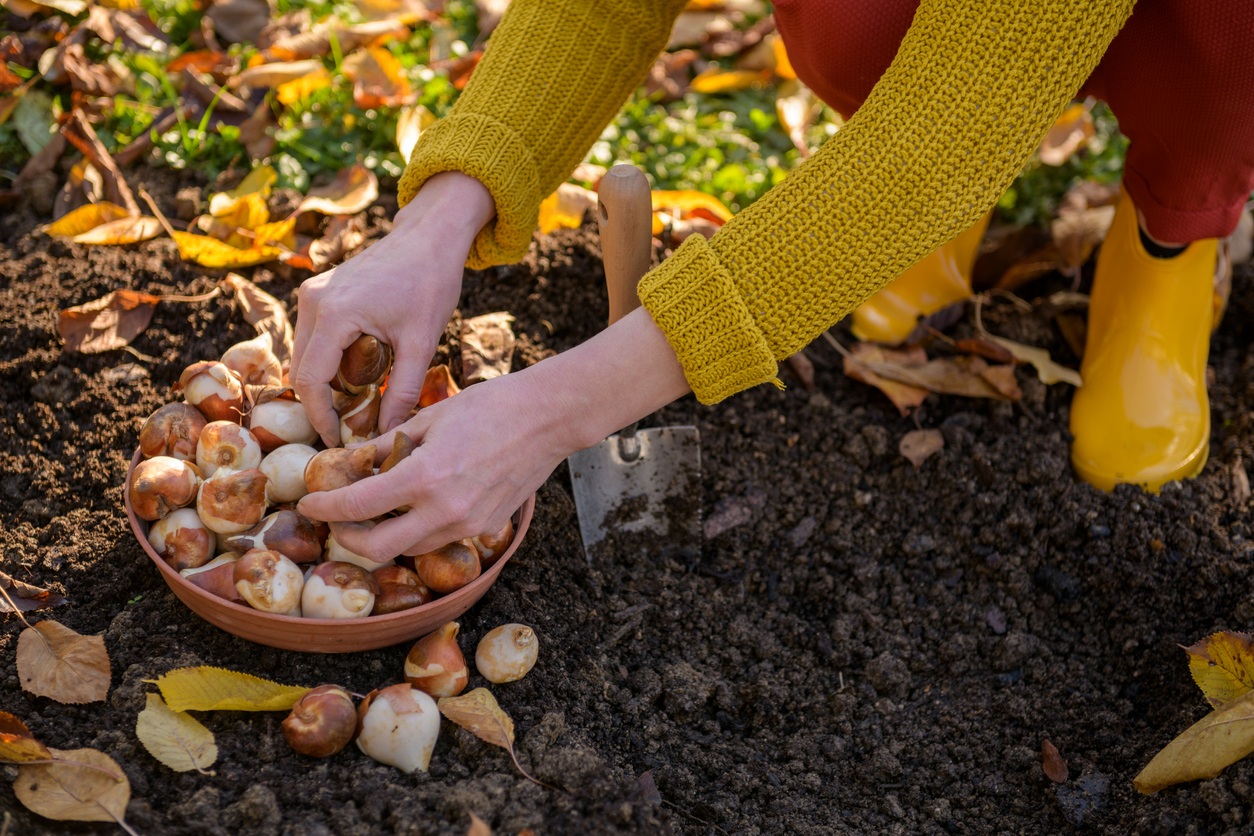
{"points": [[258, 182], [121, 231], [84, 218], [478, 713], [70, 791], [293, 91], [1073, 128], [410, 123], [690, 203], [564, 209], [210, 252], [272, 75], [245, 212], [352, 191], [175, 738], [16, 743], [277, 232], [1205, 749], [1046, 369], [1223, 666], [783, 67], [215, 689], [715, 80], [54, 661]]}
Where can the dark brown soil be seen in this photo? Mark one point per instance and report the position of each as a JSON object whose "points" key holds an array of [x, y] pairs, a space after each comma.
{"points": [[875, 650]]}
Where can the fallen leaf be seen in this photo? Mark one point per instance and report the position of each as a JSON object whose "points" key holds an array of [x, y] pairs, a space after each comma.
{"points": [[209, 61], [352, 191], [317, 42], [714, 81], [1053, 764], [1071, 130], [175, 738], [107, 323], [33, 119], [23, 597], [272, 75], [1046, 369], [121, 231], [378, 79], [85, 218], [1222, 665], [210, 94], [216, 689], [257, 182], [17, 744], [459, 68], [478, 827], [487, 346], [725, 44], [565, 208], [344, 233], [82, 136], [82, 187], [1088, 194], [9, 80], [135, 29], [255, 133], [43, 162], [26, 8], [693, 28], [266, 314], [479, 713], [920, 445], [985, 348], [239, 21], [1077, 234], [92, 78], [405, 11], [1202, 751], [860, 367], [410, 123], [967, 376], [68, 791], [210, 252], [291, 92], [54, 661], [688, 203], [669, 74], [803, 368], [1240, 491], [796, 107]]}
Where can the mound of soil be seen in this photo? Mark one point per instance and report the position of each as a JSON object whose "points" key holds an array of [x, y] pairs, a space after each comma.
{"points": [[872, 649]]}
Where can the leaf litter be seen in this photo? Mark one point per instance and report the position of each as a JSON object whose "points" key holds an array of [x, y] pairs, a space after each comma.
{"points": [[175, 738]]}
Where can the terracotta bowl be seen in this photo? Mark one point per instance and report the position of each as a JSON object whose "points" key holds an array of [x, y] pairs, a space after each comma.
{"points": [[320, 635]]}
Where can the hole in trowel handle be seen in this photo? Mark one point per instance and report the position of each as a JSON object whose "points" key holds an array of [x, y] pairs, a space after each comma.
{"points": [[629, 442]]}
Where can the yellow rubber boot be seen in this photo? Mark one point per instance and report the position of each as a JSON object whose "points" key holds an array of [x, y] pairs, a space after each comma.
{"points": [[941, 278], [1142, 416]]}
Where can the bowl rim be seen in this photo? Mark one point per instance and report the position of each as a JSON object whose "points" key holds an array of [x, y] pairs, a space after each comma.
{"points": [[521, 519]]}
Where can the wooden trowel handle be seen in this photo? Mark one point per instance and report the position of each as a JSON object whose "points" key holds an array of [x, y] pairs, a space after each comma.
{"points": [[625, 217]]}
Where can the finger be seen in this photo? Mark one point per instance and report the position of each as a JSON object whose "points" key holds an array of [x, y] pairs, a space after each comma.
{"points": [[404, 386], [306, 324], [362, 500], [317, 367], [416, 428], [411, 533], [351, 534]]}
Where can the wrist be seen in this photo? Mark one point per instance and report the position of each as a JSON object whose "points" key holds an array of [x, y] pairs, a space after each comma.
{"points": [[451, 204]]}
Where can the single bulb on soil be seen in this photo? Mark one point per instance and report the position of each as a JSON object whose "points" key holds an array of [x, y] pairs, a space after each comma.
{"points": [[507, 653], [398, 726], [435, 663], [322, 722]]}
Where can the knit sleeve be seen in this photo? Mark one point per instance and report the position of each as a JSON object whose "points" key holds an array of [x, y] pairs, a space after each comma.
{"points": [[973, 88], [553, 75]]}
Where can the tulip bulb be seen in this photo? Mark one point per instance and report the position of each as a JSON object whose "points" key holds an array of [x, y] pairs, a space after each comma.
{"points": [[269, 582], [182, 540], [281, 421], [507, 653], [232, 501], [173, 431], [359, 420], [214, 390], [448, 568], [364, 363], [492, 545], [399, 589], [337, 551], [285, 472], [338, 590], [399, 726], [402, 446], [161, 485], [339, 468], [435, 664], [438, 385], [216, 577], [323, 721], [254, 363], [226, 444], [289, 533]]}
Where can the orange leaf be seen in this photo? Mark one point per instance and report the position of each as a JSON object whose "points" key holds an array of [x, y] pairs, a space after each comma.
{"points": [[690, 203], [107, 323], [565, 208], [378, 80], [16, 742], [291, 92], [203, 60], [272, 75], [715, 80], [1073, 128]]}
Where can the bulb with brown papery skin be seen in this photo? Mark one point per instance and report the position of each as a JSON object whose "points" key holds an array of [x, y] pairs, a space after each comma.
{"points": [[216, 577], [448, 568], [214, 390], [162, 485], [253, 362], [269, 582], [492, 545], [359, 421], [289, 533], [337, 551], [232, 501], [364, 363], [279, 422], [339, 468], [182, 540], [338, 590], [323, 721], [225, 444], [399, 589], [285, 472], [438, 385], [507, 653], [399, 726], [435, 663], [173, 431], [402, 446]]}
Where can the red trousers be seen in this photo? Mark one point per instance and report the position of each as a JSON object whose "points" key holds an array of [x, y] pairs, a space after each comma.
{"points": [[1179, 77]]}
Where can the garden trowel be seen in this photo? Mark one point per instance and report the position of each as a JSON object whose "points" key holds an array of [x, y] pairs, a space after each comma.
{"points": [[636, 481]]}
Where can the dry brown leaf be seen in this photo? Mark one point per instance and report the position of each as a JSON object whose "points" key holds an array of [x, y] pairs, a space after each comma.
{"points": [[1046, 369], [410, 123], [216, 689], [69, 791], [107, 323], [864, 358], [83, 137], [1071, 130], [87, 77], [255, 133], [203, 60], [479, 713], [669, 75], [208, 93], [265, 313], [565, 208], [17, 744], [985, 348], [920, 445], [378, 79], [23, 597], [1221, 738], [967, 376], [352, 191], [317, 42], [694, 28], [175, 738], [85, 218], [1222, 665], [344, 233], [1053, 764], [487, 346], [121, 231], [54, 661], [1077, 234], [803, 368], [272, 75], [239, 21], [478, 827]]}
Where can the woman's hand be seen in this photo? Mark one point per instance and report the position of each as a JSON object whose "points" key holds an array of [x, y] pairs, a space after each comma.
{"points": [[402, 290], [483, 451]]}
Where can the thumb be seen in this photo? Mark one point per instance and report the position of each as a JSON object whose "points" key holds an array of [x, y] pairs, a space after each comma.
{"points": [[409, 370]]}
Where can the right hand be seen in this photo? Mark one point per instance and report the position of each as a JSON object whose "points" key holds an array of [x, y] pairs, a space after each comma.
{"points": [[402, 290]]}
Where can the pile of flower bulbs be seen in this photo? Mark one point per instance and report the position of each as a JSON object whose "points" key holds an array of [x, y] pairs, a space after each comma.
{"points": [[399, 725], [222, 474]]}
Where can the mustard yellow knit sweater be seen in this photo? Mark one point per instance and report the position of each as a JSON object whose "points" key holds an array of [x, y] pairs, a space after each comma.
{"points": [[974, 86]]}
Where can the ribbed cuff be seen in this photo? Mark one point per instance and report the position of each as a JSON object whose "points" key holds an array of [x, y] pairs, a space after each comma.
{"points": [[493, 154], [693, 299]]}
